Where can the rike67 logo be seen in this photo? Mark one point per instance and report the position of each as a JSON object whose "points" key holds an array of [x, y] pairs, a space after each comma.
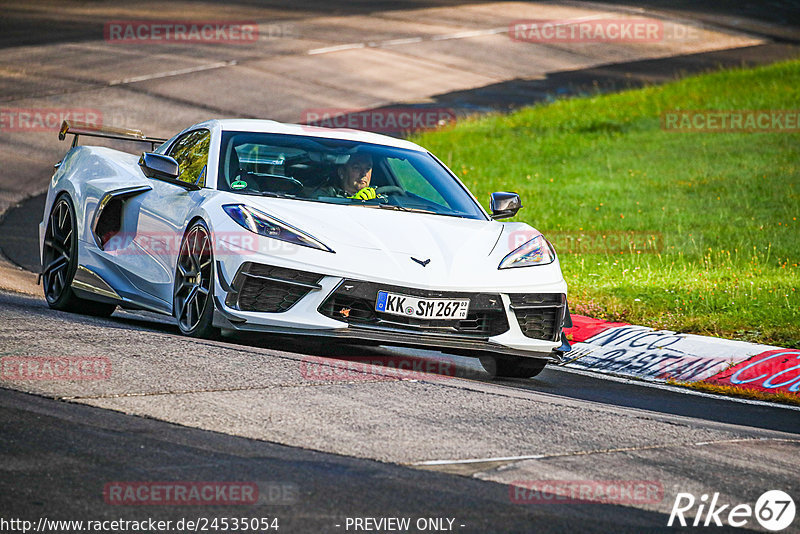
{"points": [[774, 510]]}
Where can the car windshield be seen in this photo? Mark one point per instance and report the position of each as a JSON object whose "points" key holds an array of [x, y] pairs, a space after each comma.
{"points": [[337, 171]]}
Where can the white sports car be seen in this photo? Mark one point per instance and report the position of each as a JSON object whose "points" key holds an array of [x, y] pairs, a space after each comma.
{"points": [[255, 225]]}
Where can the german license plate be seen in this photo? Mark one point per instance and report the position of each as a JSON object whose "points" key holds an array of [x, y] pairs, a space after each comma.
{"points": [[421, 308]]}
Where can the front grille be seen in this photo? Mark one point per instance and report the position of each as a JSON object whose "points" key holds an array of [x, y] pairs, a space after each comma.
{"points": [[539, 314], [264, 288], [353, 302]]}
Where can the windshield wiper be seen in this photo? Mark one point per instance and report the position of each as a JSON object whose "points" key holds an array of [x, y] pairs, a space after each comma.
{"points": [[403, 208], [269, 194], [421, 210]]}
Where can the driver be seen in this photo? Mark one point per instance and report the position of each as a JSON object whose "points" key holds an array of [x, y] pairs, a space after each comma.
{"points": [[353, 180], [355, 175]]}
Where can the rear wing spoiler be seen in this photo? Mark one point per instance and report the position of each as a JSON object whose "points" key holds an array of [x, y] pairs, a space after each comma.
{"points": [[124, 134]]}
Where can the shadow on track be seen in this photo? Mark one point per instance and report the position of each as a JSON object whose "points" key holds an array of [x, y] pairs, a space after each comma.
{"points": [[439, 367], [442, 367], [63, 455]]}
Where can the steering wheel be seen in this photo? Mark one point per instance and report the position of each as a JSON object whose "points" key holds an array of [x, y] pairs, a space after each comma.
{"points": [[390, 190]]}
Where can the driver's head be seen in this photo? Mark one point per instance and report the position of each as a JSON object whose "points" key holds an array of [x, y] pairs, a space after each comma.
{"points": [[356, 173]]}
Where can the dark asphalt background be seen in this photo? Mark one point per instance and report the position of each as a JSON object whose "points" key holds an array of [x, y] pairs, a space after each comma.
{"points": [[55, 457]]}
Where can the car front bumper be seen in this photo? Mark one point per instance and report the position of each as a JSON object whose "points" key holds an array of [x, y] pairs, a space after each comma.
{"points": [[270, 299]]}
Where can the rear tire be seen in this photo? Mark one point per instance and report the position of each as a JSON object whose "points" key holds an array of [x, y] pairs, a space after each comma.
{"points": [[512, 366], [193, 295], [60, 262]]}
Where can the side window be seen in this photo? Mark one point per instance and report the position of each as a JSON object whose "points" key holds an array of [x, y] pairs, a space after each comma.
{"points": [[191, 153], [412, 181]]}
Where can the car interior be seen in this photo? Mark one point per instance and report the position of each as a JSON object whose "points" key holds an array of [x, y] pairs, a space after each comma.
{"points": [[258, 168]]}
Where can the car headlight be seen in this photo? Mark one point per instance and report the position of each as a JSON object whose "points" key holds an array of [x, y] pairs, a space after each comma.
{"points": [[262, 224], [537, 251]]}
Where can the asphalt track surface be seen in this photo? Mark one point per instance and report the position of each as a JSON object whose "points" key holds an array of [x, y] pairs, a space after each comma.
{"points": [[376, 444], [389, 433]]}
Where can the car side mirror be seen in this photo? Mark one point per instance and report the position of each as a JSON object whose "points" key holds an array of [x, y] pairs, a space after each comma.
{"points": [[159, 166], [505, 205]]}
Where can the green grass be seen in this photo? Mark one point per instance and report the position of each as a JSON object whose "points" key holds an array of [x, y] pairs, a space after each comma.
{"points": [[714, 215]]}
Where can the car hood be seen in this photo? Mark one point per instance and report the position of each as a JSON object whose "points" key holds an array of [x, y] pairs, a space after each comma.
{"points": [[381, 245], [383, 229], [421, 235]]}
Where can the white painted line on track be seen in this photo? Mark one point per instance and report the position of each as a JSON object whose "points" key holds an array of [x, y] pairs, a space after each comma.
{"points": [[667, 387], [337, 48], [430, 463], [396, 42], [470, 33], [470, 366], [177, 72], [482, 460], [466, 34]]}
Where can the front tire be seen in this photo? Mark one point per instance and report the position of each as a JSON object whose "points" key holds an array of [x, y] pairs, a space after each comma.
{"points": [[512, 366], [60, 263], [193, 296]]}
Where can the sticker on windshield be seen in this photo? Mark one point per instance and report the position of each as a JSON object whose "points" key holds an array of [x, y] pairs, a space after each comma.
{"points": [[238, 184]]}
